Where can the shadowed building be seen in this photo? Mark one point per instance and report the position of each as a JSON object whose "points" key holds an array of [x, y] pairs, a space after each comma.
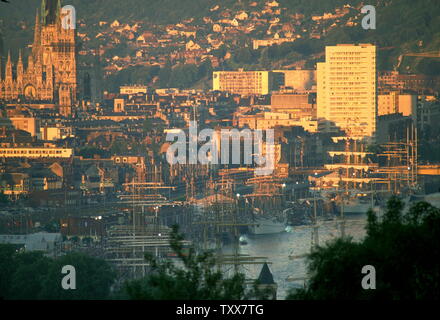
{"points": [[266, 282]]}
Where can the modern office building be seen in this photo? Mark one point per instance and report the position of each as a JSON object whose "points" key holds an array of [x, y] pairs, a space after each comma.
{"points": [[347, 89], [134, 89], [298, 80], [28, 124], [394, 102], [243, 82]]}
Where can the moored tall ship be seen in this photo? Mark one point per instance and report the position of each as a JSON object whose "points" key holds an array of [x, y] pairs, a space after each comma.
{"points": [[267, 205]]}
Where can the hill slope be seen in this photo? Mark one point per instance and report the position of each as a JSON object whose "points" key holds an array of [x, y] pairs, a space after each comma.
{"points": [[402, 25]]}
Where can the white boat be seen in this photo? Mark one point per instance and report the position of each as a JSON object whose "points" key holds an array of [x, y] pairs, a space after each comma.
{"points": [[268, 223], [243, 240]]}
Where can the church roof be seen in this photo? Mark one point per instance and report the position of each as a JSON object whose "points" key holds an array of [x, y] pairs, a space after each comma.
{"points": [[265, 276]]}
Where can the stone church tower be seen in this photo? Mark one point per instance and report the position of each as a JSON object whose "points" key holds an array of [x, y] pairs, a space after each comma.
{"points": [[50, 75]]}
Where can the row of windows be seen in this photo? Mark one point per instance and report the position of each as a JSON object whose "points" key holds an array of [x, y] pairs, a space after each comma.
{"points": [[356, 67], [32, 152], [346, 92], [352, 53]]}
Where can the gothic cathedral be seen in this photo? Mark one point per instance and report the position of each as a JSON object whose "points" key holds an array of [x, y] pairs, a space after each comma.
{"points": [[50, 75]]}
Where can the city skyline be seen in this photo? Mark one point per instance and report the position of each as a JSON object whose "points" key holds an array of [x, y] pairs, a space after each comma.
{"points": [[219, 153]]}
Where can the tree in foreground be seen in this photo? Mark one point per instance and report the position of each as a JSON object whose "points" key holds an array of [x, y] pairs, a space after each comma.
{"points": [[403, 247], [196, 278], [32, 276], [94, 278]]}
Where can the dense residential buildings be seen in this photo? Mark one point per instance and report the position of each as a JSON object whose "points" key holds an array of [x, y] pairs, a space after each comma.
{"points": [[347, 89], [270, 42], [84, 150]]}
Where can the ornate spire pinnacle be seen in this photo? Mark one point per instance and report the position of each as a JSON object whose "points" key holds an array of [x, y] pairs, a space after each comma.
{"points": [[44, 12], [20, 60], [19, 67], [8, 75], [31, 62], [59, 9], [58, 15], [37, 29]]}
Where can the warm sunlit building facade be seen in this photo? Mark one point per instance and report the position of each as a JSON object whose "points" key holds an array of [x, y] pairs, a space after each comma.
{"points": [[347, 89], [243, 82], [394, 102]]}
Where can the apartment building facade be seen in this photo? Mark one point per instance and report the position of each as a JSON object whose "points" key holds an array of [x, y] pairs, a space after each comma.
{"points": [[347, 89], [243, 82]]}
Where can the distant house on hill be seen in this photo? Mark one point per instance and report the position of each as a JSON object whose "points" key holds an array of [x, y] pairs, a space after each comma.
{"points": [[115, 24], [272, 4]]}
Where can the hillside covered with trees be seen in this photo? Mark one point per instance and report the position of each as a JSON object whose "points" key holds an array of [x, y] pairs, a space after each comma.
{"points": [[402, 26]]}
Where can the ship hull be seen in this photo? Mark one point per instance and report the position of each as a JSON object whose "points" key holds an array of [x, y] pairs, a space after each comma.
{"points": [[263, 225]]}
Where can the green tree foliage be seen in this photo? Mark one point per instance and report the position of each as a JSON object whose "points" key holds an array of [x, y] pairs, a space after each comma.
{"points": [[197, 278], [205, 69], [7, 268], [165, 74], [132, 75], [94, 278], [403, 248], [119, 147], [220, 52], [3, 199], [90, 151], [183, 76], [31, 275], [264, 60], [429, 67], [244, 56]]}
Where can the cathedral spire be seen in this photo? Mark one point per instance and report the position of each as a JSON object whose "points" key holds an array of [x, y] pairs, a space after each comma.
{"points": [[37, 29], [19, 67], [43, 12], [50, 11], [30, 67], [8, 75], [58, 14], [59, 9]]}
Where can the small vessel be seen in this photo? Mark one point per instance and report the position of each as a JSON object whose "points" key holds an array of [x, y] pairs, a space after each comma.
{"points": [[243, 240]]}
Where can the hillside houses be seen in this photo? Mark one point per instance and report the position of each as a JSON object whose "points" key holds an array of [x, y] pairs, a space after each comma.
{"points": [[124, 44]]}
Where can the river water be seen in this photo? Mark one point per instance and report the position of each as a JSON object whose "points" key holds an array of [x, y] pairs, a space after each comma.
{"points": [[281, 250]]}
